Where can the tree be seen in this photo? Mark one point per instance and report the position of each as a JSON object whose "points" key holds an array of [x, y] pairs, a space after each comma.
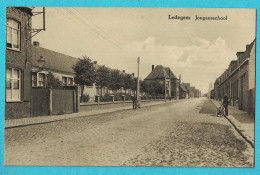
{"points": [[127, 81], [52, 82], [116, 80], [134, 84], [155, 88], [144, 87], [85, 73], [103, 77]]}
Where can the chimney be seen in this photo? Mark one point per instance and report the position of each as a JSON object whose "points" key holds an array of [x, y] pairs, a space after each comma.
{"points": [[36, 43], [180, 79], [152, 67]]}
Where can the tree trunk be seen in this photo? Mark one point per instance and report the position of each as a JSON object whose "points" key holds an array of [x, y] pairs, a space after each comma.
{"points": [[101, 94]]}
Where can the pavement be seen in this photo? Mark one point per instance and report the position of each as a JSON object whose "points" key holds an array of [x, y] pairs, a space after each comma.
{"points": [[172, 134], [48, 119], [242, 122]]}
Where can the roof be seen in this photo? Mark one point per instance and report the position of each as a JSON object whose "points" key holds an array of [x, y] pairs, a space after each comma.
{"points": [[159, 72], [182, 87], [186, 84], [248, 50], [169, 72], [192, 88], [53, 60]]}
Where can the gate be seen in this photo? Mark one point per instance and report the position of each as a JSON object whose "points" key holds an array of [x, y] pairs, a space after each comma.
{"points": [[62, 101], [54, 101], [40, 101]]}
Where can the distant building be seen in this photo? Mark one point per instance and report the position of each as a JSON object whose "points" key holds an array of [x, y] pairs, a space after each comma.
{"points": [[192, 91], [211, 92], [165, 76], [187, 87], [183, 92], [238, 81]]}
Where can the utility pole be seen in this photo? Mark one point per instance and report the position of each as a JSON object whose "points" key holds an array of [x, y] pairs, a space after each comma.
{"points": [[165, 89], [138, 84]]}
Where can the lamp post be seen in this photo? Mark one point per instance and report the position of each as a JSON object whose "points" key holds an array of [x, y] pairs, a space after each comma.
{"points": [[41, 63], [95, 66]]}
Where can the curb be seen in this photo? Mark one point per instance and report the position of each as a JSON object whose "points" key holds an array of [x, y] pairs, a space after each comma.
{"points": [[83, 115], [240, 133], [238, 130]]}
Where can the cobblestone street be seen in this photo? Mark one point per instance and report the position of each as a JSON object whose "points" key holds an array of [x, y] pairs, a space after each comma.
{"points": [[183, 133]]}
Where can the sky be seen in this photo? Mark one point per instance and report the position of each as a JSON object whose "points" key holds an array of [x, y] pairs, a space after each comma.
{"points": [[199, 51]]}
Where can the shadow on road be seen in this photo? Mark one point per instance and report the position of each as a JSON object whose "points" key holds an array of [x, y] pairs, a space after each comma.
{"points": [[208, 108]]}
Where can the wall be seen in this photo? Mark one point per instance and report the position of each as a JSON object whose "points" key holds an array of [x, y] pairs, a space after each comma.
{"points": [[251, 69], [175, 88], [22, 60]]}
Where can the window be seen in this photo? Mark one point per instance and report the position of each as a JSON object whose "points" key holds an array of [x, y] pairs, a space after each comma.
{"points": [[34, 79], [70, 81], [41, 80], [13, 84], [13, 30], [67, 81], [64, 81]]}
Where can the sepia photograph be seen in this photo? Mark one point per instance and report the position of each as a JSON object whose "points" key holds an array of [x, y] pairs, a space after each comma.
{"points": [[129, 87]]}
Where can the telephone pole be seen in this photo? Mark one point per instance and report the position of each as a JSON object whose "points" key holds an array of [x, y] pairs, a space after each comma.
{"points": [[138, 85]]}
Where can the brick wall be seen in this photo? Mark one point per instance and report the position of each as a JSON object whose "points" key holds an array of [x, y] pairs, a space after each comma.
{"points": [[243, 98], [22, 60], [251, 68]]}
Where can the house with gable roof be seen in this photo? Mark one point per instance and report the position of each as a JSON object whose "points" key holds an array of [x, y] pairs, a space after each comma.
{"points": [[165, 76], [57, 63], [60, 65]]}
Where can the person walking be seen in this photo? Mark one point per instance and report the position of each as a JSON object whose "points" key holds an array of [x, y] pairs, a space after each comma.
{"points": [[134, 102], [225, 104]]}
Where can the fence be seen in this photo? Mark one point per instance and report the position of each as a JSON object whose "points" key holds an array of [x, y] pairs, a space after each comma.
{"points": [[54, 101]]}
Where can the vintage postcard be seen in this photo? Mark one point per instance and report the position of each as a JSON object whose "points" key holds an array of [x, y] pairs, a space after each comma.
{"points": [[149, 87]]}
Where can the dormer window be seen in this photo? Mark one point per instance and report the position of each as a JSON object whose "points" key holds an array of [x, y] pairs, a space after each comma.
{"points": [[13, 30]]}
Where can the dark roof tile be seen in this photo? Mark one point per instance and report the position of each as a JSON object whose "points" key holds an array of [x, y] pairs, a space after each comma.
{"points": [[53, 60]]}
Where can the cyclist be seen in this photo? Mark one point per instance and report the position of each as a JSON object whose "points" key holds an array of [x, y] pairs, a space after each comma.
{"points": [[225, 104]]}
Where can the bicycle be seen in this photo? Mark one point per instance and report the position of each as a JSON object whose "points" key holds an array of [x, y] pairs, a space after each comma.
{"points": [[221, 111]]}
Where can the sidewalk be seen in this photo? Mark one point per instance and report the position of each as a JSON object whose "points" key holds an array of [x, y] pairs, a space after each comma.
{"points": [[47, 119], [115, 102], [242, 122]]}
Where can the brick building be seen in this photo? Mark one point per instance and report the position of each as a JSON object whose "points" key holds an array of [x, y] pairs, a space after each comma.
{"points": [[238, 81], [59, 64], [165, 76], [187, 87], [18, 62]]}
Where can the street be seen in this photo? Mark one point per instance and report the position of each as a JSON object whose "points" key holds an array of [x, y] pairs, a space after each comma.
{"points": [[182, 133]]}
